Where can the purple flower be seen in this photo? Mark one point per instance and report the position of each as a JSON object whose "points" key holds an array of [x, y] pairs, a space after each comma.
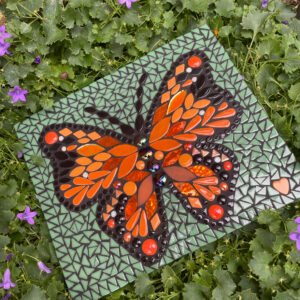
{"points": [[285, 22], [20, 154], [6, 281], [3, 48], [7, 296], [264, 3], [43, 267], [37, 60], [18, 94], [295, 236], [297, 220], [27, 215], [3, 34], [127, 2], [9, 257]]}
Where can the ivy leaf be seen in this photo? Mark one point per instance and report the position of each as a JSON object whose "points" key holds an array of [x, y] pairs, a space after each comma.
{"points": [[225, 8], [271, 218], [196, 5], [143, 285], [169, 278], [131, 17], [247, 295], [282, 125], [259, 265], [123, 38], [5, 217], [13, 73], [225, 285], [193, 291], [294, 93], [4, 240], [254, 20], [169, 19], [34, 293]]}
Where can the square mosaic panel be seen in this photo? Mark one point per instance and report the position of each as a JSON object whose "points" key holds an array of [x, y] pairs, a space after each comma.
{"points": [[152, 162]]}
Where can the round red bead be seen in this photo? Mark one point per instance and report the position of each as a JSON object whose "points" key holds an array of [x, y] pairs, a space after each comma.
{"points": [[227, 165], [188, 146], [51, 137], [216, 211], [194, 62], [149, 247], [223, 186], [111, 223], [127, 237]]}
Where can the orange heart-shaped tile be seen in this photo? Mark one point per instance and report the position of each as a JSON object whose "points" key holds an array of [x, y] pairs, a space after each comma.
{"points": [[282, 186]]}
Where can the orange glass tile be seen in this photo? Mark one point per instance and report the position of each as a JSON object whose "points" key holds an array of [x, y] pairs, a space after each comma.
{"points": [[190, 113], [131, 207], [151, 206], [215, 190], [171, 158], [207, 194], [94, 166], [201, 171], [136, 176], [83, 161], [84, 141], [226, 114], [177, 115], [203, 131], [109, 178], [179, 174], [160, 129], [180, 69], [133, 220], [145, 190], [195, 202], [189, 101], [94, 135], [105, 216], [82, 181], [98, 174], [64, 187], [89, 150], [187, 83], [108, 141], [165, 145], [109, 208], [193, 123], [207, 180], [140, 165], [143, 224], [130, 188], [219, 124], [176, 101], [122, 150], [71, 192], [135, 231], [187, 137], [176, 128], [80, 196], [175, 89], [79, 134], [114, 201], [77, 171], [112, 163], [94, 189], [171, 82], [127, 165], [186, 189], [208, 114], [223, 106], [65, 131], [201, 103], [71, 147], [165, 97], [185, 160], [102, 156], [160, 113], [155, 221]]}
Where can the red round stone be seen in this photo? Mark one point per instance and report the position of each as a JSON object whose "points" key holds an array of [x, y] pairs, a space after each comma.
{"points": [[194, 62], [216, 212], [111, 223], [127, 237], [223, 186], [149, 247], [227, 165], [188, 146], [51, 137]]}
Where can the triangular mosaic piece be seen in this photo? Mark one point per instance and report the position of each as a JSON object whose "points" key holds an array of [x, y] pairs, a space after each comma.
{"points": [[148, 164]]}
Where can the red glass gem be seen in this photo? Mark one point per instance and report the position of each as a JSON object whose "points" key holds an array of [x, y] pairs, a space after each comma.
{"points": [[51, 137], [117, 184], [111, 223], [149, 247], [188, 146], [127, 237], [194, 62], [223, 186], [216, 211], [227, 165]]}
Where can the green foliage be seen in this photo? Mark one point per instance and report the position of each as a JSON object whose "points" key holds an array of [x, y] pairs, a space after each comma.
{"points": [[80, 41]]}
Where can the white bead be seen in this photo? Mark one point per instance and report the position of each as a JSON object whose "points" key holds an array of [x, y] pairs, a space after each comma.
{"points": [[61, 138], [64, 148], [85, 174], [202, 112], [113, 214], [194, 79], [217, 159], [189, 70]]}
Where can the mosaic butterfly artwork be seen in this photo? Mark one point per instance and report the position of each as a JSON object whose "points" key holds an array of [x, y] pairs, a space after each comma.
{"points": [[124, 173], [143, 166]]}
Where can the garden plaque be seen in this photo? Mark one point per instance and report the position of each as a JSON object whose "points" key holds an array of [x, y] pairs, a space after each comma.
{"points": [[152, 162]]}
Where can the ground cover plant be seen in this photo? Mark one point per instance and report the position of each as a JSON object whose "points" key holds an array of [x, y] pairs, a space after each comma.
{"points": [[59, 46]]}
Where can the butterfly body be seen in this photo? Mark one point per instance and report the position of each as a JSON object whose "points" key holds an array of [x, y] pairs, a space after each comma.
{"points": [[173, 148]]}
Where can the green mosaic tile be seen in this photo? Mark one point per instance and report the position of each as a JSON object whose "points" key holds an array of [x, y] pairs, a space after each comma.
{"points": [[99, 251]]}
